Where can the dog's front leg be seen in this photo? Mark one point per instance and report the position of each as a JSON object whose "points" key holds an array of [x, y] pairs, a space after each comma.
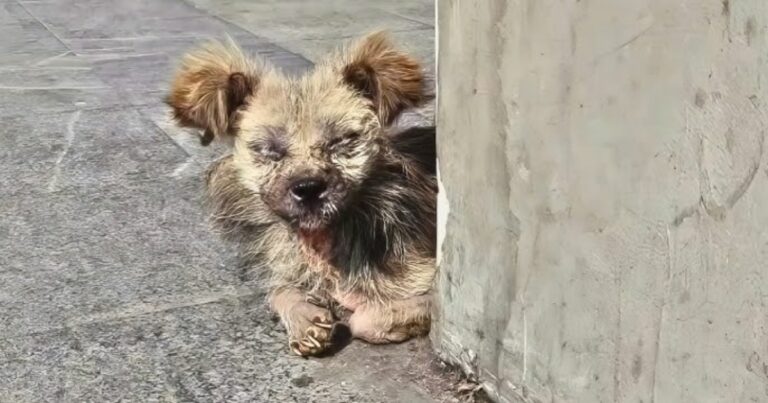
{"points": [[308, 325], [393, 322]]}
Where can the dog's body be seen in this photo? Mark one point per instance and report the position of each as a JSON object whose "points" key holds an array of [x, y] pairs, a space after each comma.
{"points": [[337, 205]]}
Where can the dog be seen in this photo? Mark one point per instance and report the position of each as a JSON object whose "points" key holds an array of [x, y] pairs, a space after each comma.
{"points": [[335, 202]]}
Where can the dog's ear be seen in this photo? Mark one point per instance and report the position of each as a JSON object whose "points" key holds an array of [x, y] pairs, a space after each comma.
{"points": [[390, 78], [212, 83]]}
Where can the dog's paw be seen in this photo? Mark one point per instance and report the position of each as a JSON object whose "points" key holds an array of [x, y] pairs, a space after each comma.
{"points": [[310, 328], [394, 322], [374, 327]]}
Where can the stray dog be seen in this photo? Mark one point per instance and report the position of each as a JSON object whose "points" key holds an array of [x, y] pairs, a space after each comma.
{"points": [[336, 204]]}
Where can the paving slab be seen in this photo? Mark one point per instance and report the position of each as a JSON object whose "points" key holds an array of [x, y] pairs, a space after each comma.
{"points": [[296, 20], [25, 41], [96, 19], [224, 348], [84, 149], [419, 42]]}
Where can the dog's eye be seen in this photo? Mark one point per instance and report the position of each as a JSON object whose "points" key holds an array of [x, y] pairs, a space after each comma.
{"points": [[269, 150], [340, 141]]}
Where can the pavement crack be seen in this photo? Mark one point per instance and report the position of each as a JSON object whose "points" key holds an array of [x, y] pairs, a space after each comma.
{"points": [[70, 139], [139, 309], [177, 173], [146, 308], [52, 58]]}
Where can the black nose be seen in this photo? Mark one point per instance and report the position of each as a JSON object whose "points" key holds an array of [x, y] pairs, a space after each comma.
{"points": [[308, 190]]}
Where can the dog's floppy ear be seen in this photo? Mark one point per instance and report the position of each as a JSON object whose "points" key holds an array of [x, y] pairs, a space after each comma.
{"points": [[390, 78], [211, 84]]}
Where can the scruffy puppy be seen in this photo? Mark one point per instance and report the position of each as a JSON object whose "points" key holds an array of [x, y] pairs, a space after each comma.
{"points": [[337, 205]]}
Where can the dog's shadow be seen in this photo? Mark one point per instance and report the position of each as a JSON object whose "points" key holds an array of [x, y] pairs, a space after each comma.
{"points": [[341, 337]]}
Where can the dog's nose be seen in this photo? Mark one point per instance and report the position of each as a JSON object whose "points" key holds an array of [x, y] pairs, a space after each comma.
{"points": [[308, 190]]}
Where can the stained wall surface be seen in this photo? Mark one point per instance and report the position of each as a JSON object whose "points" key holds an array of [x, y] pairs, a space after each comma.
{"points": [[604, 204]]}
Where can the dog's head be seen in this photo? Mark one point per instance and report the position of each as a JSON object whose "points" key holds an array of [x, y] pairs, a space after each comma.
{"points": [[305, 145]]}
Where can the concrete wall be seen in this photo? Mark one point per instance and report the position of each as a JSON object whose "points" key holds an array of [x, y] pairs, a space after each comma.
{"points": [[604, 214]]}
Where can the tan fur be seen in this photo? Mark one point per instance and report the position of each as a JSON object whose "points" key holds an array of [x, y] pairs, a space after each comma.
{"points": [[211, 84], [327, 124], [395, 79]]}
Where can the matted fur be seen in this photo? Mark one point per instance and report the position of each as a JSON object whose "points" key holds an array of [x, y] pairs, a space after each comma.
{"points": [[211, 84], [392, 79], [369, 246]]}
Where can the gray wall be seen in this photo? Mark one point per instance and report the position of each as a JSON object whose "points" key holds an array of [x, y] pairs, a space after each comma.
{"points": [[604, 204]]}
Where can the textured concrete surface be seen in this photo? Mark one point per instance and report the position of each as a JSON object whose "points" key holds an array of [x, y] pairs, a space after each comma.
{"points": [[111, 286], [606, 198]]}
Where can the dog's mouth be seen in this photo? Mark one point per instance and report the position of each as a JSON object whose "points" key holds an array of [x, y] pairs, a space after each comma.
{"points": [[312, 223], [314, 235], [315, 217], [307, 218], [315, 229], [318, 239]]}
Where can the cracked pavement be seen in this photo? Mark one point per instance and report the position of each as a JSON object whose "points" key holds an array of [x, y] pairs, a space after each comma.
{"points": [[112, 287]]}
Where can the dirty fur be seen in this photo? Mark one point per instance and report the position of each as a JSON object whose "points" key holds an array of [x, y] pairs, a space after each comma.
{"points": [[336, 204]]}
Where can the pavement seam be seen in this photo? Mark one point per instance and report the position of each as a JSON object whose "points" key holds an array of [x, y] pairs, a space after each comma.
{"points": [[427, 26], [140, 309], [165, 134], [255, 35], [44, 25]]}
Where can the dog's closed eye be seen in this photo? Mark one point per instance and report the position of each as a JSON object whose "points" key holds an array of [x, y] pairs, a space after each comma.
{"points": [[343, 140], [269, 148], [272, 145]]}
